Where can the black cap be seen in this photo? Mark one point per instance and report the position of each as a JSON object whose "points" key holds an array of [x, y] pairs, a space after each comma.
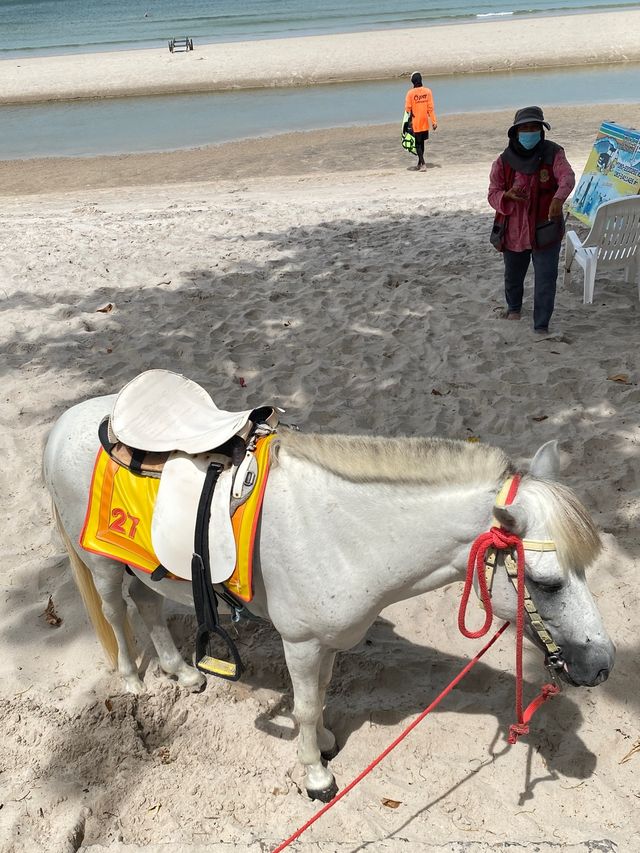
{"points": [[527, 115], [416, 78]]}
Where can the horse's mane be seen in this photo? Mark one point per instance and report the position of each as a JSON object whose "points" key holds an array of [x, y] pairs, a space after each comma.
{"points": [[440, 462], [403, 461], [568, 522]]}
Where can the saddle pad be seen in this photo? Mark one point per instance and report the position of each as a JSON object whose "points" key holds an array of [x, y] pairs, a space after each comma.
{"points": [[160, 410], [119, 511], [122, 515]]}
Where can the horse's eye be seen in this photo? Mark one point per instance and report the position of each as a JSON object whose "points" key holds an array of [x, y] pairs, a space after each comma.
{"points": [[549, 588]]}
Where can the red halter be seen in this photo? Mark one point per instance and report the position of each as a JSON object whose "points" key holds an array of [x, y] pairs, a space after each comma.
{"points": [[502, 540]]}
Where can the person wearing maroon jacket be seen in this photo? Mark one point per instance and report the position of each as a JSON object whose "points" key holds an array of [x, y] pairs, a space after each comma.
{"points": [[529, 183]]}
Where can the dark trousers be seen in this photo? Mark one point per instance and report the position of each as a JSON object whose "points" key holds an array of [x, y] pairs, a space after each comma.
{"points": [[545, 268], [420, 137]]}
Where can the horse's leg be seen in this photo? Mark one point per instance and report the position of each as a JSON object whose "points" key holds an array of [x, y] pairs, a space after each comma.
{"points": [[150, 607], [304, 661], [326, 739], [101, 589], [108, 577]]}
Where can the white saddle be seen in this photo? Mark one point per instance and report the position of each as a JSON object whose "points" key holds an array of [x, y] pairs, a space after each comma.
{"points": [[160, 410]]}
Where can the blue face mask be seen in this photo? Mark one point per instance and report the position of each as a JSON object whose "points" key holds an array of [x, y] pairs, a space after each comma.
{"points": [[529, 139]]}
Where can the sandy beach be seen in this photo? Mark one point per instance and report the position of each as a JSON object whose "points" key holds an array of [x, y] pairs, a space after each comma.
{"points": [[543, 42], [362, 298]]}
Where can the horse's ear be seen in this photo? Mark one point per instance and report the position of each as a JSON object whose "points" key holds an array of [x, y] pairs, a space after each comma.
{"points": [[512, 518], [546, 462]]}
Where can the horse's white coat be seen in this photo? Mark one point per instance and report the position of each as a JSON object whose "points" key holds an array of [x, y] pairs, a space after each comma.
{"points": [[334, 552]]}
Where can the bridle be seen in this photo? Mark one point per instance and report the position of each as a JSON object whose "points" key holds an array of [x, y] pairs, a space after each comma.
{"points": [[506, 495], [481, 566]]}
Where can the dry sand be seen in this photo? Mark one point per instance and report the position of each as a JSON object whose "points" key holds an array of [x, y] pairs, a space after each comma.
{"points": [[546, 42], [362, 298]]}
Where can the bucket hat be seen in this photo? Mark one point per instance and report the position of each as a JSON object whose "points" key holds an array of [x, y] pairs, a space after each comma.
{"points": [[527, 115]]}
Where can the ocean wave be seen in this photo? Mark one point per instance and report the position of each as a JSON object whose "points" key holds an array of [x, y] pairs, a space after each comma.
{"points": [[78, 26]]}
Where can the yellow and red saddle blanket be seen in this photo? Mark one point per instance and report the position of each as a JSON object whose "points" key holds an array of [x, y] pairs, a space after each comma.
{"points": [[118, 523]]}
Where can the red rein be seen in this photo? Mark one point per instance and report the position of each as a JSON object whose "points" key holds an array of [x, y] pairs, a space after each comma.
{"points": [[502, 540]]}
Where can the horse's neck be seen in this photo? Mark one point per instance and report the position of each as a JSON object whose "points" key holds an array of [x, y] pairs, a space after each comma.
{"points": [[429, 534], [403, 539]]}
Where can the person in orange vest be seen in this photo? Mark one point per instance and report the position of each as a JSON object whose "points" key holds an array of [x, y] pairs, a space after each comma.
{"points": [[419, 105]]}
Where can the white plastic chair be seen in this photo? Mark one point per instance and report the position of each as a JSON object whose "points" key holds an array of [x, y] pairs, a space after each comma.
{"points": [[612, 243]]}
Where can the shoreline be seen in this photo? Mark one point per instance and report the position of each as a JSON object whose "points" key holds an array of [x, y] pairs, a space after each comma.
{"points": [[297, 153], [119, 126], [534, 43]]}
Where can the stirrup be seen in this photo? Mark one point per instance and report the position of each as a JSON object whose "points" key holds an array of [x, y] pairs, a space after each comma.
{"points": [[205, 662]]}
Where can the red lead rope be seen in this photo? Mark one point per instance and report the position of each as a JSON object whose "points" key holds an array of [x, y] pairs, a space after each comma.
{"points": [[502, 540], [395, 743]]}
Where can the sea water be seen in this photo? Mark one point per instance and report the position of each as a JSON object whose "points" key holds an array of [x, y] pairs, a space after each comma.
{"points": [[165, 122], [38, 27]]}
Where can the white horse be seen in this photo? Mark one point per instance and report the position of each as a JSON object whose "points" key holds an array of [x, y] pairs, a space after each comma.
{"points": [[351, 525]]}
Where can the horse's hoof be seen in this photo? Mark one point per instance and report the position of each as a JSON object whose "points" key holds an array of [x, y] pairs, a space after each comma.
{"points": [[192, 680], [330, 754], [132, 684], [325, 795]]}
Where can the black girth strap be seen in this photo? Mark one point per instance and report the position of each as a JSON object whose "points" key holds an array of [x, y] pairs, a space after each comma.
{"points": [[204, 595]]}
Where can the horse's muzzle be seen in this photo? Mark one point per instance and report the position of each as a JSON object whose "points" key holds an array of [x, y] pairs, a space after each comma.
{"points": [[591, 671], [568, 678]]}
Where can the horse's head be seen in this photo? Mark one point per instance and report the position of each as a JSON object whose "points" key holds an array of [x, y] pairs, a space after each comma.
{"points": [[545, 512]]}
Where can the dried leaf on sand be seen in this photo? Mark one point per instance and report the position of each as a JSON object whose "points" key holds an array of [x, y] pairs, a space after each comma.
{"points": [[50, 615]]}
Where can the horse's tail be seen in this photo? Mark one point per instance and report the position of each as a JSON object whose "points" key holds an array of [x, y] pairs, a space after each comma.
{"points": [[91, 597]]}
